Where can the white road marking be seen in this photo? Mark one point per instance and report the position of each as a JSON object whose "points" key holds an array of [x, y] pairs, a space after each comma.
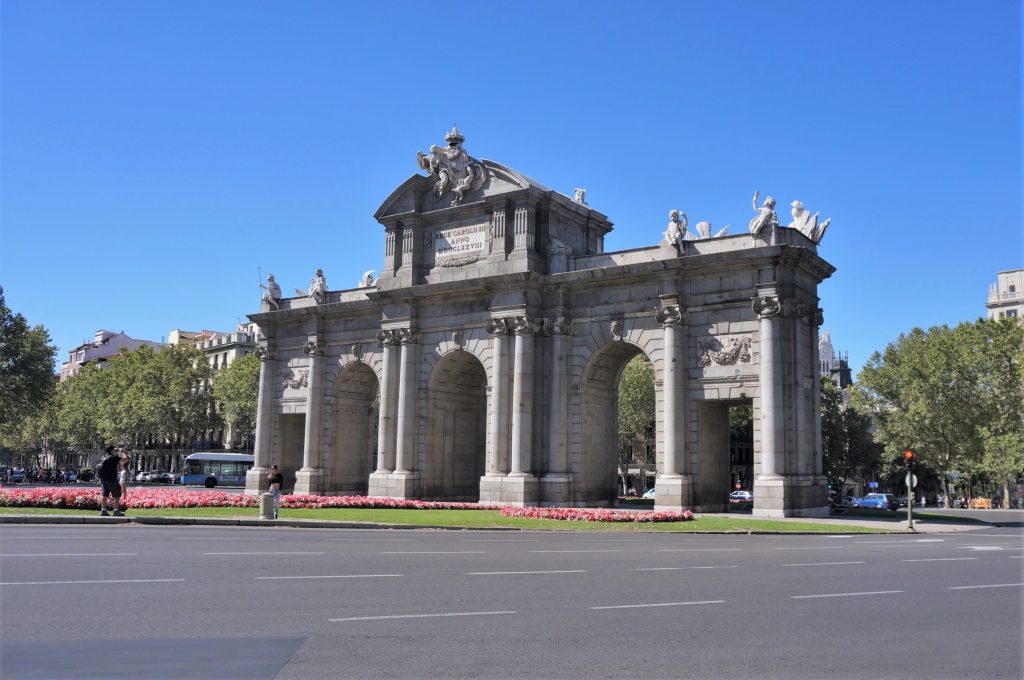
{"points": [[839, 536], [274, 578], [723, 566], [658, 604], [435, 552], [73, 555], [499, 540], [941, 559], [297, 552], [579, 551], [982, 547], [1015, 557], [499, 573], [816, 547], [873, 592], [222, 538], [699, 549], [54, 583], [894, 541], [994, 585], [611, 540], [420, 616], [821, 564], [87, 536], [378, 540]]}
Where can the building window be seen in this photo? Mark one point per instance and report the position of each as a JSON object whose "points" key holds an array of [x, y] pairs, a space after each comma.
{"points": [[1012, 314], [1013, 288]]}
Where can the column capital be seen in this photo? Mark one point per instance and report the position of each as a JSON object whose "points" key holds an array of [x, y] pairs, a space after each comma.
{"points": [[386, 337], [766, 306], [406, 336], [500, 326], [669, 315], [556, 325], [314, 347], [818, 316], [524, 325], [266, 352]]}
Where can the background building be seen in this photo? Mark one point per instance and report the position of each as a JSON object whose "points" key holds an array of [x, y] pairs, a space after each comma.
{"points": [[105, 345], [1006, 295]]}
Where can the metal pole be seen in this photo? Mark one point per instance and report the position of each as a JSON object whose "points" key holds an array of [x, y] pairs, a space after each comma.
{"points": [[910, 501]]}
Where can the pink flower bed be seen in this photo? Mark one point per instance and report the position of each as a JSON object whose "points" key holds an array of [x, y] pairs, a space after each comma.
{"points": [[88, 498], [596, 515]]}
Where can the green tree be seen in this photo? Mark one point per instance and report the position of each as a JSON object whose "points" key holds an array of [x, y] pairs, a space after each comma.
{"points": [[636, 407], [27, 378], [834, 445], [953, 396], [236, 390]]}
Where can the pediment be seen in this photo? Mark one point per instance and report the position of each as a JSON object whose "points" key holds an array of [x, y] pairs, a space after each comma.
{"points": [[416, 194]]}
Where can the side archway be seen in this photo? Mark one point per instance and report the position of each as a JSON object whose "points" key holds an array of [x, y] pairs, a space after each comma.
{"points": [[353, 449], [456, 437], [596, 470]]}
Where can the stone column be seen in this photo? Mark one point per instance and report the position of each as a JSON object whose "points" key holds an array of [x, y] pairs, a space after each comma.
{"points": [[256, 477], [405, 422], [522, 398], [498, 434], [768, 310], [555, 483], [674, 488], [388, 399], [817, 318], [308, 479]]}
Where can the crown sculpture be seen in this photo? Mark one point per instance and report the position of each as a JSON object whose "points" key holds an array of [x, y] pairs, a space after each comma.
{"points": [[454, 169]]}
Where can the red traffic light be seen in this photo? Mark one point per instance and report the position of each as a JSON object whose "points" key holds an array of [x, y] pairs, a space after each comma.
{"points": [[908, 455]]}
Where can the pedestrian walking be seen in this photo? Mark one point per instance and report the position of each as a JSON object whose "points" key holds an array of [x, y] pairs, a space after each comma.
{"points": [[275, 479], [109, 487], [122, 479]]}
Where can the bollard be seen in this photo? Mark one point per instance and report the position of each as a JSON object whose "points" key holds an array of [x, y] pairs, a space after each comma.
{"points": [[267, 506]]}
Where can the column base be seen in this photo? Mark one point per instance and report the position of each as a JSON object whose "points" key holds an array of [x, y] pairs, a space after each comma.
{"points": [[796, 496], [518, 490], [673, 492], [555, 490], [393, 484], [256, 481], [308, 482]]}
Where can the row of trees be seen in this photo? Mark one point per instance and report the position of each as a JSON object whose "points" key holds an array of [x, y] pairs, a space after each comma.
{"points": [[144, 399]]}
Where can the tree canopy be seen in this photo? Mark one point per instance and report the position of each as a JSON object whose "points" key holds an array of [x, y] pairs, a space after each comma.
{"points": [[636, 403], [27, 377], [236, 390], [955, 396]]}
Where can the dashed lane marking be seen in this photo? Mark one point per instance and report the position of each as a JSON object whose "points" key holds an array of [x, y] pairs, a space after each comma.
{"points": [[871, 592], [502, 573], [57, 583], [658, 604], [992, 585], [420, 616], [276, 578], [820, 564]]}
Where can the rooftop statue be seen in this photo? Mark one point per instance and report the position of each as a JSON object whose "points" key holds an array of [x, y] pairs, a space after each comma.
{"points": [[675, 233], [455, 169], [765, 215], [317, 288], [273, 295], [806, 223], [366, 280]]}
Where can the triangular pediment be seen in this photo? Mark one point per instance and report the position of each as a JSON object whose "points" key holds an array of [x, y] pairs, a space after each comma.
{"points": [[416, 194]]}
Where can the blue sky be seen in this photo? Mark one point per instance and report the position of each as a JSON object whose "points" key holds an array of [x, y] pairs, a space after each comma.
{"points": [[157, 155]]}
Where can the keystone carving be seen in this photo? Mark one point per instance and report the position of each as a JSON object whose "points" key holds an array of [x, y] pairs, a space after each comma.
{"points": [[357, 351], [458, 338], [616, 329]]}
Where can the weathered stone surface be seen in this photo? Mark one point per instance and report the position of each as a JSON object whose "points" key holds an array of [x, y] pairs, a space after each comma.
{"points": [[495, 337]]}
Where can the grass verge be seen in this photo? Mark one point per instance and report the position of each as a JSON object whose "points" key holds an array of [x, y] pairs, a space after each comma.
{"points": [[486, 519]]}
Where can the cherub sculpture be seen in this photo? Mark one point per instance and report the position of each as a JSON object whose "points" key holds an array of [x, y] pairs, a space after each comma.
{"points": [[765, 215], [273, 295]]}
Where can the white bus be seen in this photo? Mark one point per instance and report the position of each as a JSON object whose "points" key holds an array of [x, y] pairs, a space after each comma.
{"points": [[216, 469]]}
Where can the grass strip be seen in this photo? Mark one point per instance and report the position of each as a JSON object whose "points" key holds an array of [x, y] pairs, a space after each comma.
{"points": [[485, 519]]}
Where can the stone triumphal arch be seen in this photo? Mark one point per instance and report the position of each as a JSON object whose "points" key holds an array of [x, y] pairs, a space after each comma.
{"points": [[483, 363]]}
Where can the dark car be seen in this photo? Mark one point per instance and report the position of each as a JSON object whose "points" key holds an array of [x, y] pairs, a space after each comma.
{"points": [[878, 501]]}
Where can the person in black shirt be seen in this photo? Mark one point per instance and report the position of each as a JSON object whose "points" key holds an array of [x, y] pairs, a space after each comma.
{"points": [[275, 479], [107, 472]]}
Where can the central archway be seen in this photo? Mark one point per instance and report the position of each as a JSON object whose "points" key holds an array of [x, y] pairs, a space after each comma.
{"points": [[597, 470], [455, 453]]}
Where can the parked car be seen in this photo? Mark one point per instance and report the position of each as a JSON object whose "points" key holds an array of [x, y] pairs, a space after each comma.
{"points": [[741, 500], [878, 501], [902, 500], [848, 501], [649, 493], [162, 477], [17, 475], [140, 476]]}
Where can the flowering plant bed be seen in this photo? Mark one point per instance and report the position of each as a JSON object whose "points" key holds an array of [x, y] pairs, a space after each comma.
{"points": [[148, 498], [597, 515]]}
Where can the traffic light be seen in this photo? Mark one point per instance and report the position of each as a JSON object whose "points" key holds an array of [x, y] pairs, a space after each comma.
{"points": [[908, 459]]}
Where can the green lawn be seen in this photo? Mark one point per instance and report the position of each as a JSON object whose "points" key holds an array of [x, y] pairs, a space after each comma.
{"points": [[484, 519]]}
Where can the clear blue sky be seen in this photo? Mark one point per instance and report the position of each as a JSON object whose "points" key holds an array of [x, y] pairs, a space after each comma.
{"points": [[156, 154]]}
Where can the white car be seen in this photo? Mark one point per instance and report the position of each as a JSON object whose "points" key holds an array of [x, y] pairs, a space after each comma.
{"points": [[649, 493]]}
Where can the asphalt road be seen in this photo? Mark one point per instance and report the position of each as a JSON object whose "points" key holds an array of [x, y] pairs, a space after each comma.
{"points": [[179, 602]]}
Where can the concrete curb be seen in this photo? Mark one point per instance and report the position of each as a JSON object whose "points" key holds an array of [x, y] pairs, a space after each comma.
{"points": [[949, 528]]}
